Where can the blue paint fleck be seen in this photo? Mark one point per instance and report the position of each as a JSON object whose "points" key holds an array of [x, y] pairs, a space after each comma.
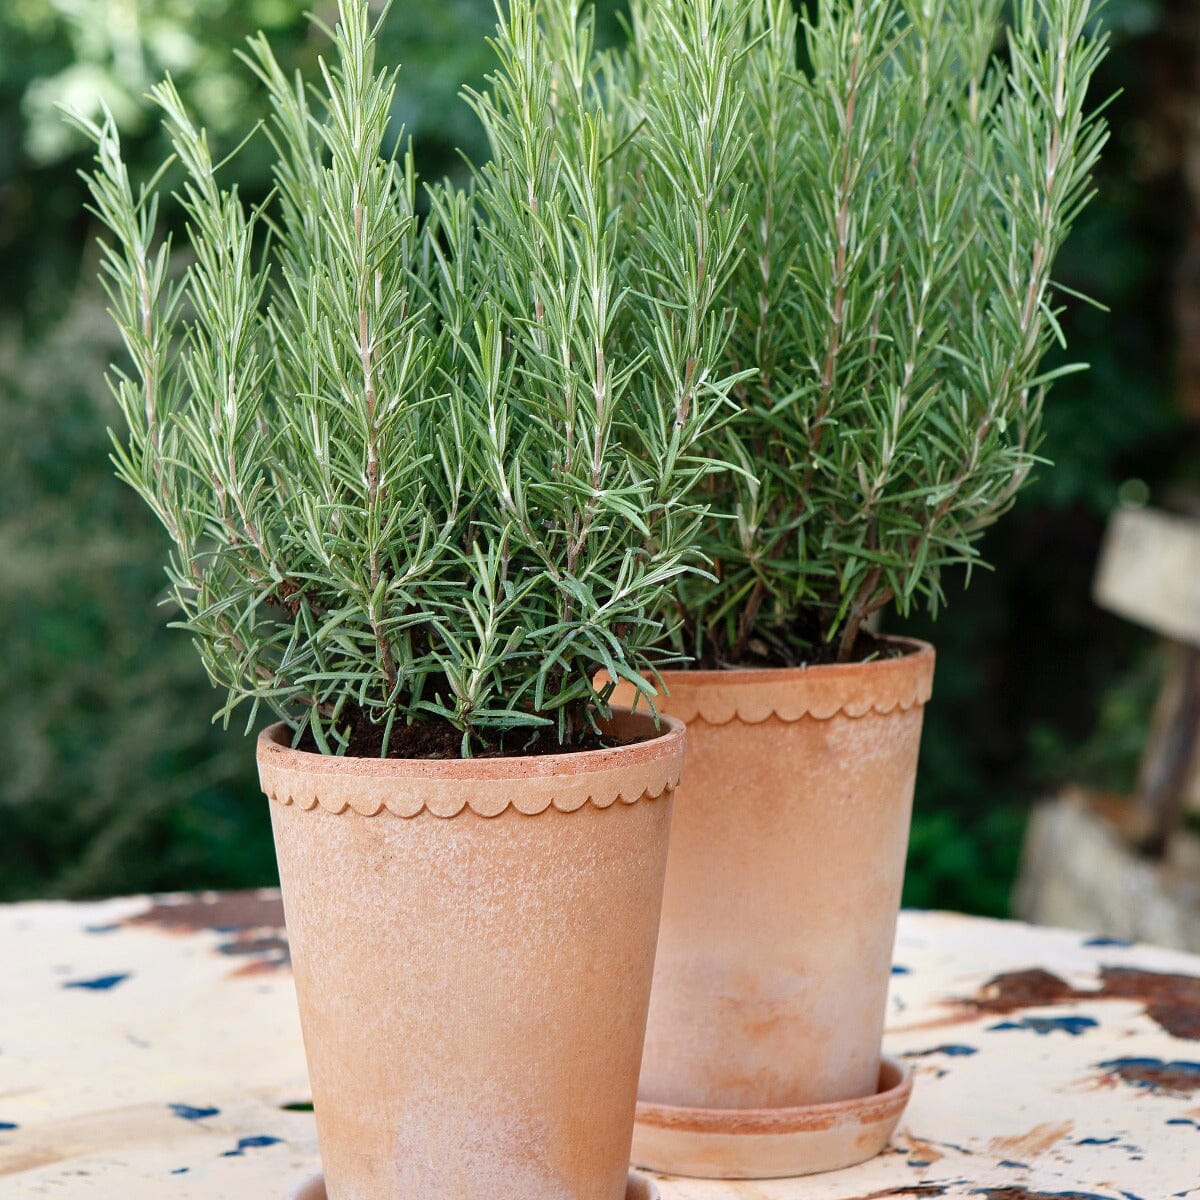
{"points": [[103, 984], [951, 1050], [1107, 941], [898, 970], [250, 1143], [189, 1113], [101, 928], [1172, 1121], [1074, 1026], [181, 1170], [1012, 1165], [1096, 1141], [9, 1125]]}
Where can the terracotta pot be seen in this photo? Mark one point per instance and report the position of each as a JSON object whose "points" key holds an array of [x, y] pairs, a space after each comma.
{"points": [[473, 944], [783, 884]]}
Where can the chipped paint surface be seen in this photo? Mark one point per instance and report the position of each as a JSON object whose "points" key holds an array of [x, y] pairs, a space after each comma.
{"points": [[151, 1048]]}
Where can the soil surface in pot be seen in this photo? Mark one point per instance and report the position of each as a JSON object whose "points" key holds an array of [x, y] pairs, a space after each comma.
{"points": [[800, 644], [436, 738]]}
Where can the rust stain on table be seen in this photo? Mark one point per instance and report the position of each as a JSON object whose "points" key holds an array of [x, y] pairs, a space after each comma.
{"points": [[250, 923], [1036, 1141], [220, 911], [1171, 1000]]}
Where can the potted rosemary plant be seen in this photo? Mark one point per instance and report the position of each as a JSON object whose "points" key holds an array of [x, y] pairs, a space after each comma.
{"points": [[424, 477], [908, 188]]}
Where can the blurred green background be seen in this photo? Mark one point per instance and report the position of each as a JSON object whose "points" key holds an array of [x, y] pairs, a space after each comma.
{"points": [[112, 778]]}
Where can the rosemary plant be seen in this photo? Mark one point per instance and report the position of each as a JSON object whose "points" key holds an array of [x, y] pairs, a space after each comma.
{"points": [[425, 477], [907, 192]]}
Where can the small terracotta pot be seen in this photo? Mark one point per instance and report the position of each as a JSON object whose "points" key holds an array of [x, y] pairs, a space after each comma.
{"points": [[473, 942], [783, 884]]}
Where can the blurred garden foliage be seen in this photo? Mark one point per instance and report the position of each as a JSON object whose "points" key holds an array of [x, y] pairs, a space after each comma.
{"points": [[114, 780]]}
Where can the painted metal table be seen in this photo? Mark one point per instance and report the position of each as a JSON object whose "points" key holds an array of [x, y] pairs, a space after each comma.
{"points": [[150, 1048]]}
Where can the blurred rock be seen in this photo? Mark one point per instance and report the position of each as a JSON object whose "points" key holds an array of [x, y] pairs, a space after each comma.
{"points": [[1080, 872]]}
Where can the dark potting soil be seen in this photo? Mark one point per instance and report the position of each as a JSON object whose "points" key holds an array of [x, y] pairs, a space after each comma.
{"points": [[799, 648], [438, 739]]}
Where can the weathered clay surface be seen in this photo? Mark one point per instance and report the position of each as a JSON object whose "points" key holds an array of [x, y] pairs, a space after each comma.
{"points": [[473, 972], [783, 882], [135, 1064]]}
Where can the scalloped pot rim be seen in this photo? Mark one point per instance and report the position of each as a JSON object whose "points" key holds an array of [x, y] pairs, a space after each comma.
{"points": [[487, 787], [788, 694]]}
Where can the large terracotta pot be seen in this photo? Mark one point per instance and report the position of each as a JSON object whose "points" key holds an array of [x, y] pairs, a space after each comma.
{"points": [[783, 887], [473, 942]]}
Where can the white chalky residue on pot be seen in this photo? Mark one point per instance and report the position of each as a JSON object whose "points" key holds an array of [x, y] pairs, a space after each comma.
{"points": [[473, 989], [783, 883]]}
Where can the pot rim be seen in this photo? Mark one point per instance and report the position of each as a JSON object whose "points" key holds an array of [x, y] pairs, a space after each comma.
{"points": [[753, 695], [665, 740], [919, 653]]}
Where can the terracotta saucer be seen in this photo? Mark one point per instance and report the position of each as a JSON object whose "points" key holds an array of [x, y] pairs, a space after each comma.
{"points": [[638, 1188], [771, 1143]]}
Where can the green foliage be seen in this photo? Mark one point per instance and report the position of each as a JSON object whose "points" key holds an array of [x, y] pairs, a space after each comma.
{"points": [[907, 195], [1109, 758], [433, 470], [117, 783], [966, 861], [1037, 687], [82, 54], [88, 55], [115, 780]]}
